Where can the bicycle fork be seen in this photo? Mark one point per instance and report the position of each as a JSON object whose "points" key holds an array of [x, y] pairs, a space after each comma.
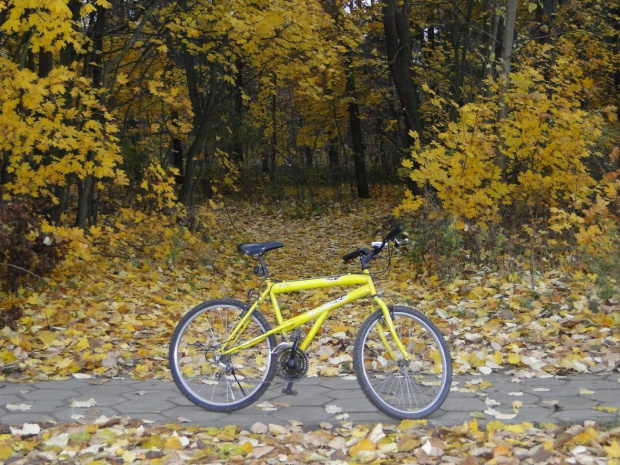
{"points": [[389, 322]]}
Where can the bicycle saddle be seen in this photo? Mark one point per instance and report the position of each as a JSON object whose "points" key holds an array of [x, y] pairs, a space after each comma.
{"points": [[256, 250]]}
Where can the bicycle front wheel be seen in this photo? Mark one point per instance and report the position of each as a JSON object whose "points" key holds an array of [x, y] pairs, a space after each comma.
{"points": [[214, 382], [403, 389]]}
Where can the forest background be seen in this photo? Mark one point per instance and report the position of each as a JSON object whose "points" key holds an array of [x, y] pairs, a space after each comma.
{"points": [[140, 140]]}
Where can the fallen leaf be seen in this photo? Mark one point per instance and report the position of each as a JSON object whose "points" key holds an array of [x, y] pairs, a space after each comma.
{"points": [[613, 451], [259, 452], [19, 407], [84, 403], [331, 409], [259, 428], [27, 429], [499, 415], [604, 408], [365, 445]]}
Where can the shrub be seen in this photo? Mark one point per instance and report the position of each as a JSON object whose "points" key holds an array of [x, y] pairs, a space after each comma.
{"points": [[26, 254]]}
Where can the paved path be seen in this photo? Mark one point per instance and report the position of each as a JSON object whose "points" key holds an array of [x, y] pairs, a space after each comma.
{"points": [[557, 400]]}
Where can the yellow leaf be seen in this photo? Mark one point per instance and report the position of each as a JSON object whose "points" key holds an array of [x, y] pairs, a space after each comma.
{"points": [[473, 426], [5, 452], [585, 437], [603, 408], [514, 359], [33, 299], [406, 425], [246, 447], [7, 357], [363, 445], [87, 9], [47, 337], [173, 442], [613, 451]]}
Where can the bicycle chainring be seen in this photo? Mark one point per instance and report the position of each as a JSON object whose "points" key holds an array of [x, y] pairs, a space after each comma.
{"points": [[299, 366]]}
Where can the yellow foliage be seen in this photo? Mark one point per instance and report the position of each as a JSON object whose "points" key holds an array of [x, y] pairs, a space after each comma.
{"points": [[51, 135], [538, 160]]}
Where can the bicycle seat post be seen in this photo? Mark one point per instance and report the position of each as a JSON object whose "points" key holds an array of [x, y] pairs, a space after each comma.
{"points": [[262, 271]]}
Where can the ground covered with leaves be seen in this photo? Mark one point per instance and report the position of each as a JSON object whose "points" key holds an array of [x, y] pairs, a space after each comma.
{"points": [[110, 307], [115, 440]]}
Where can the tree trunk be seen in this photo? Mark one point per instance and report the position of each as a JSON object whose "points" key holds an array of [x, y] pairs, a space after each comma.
{"points": [[357, 141], [308, 155], [177, 154], [237, 129], [460, 48], [46, 62], [274, 134], [201, 129], [86, 195], [507, 44], [491, 37], [398, 41], [332, 153], [544, 19]]}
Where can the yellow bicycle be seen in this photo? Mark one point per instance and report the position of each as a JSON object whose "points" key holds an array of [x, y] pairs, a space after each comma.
{"points": [[224, 353]]}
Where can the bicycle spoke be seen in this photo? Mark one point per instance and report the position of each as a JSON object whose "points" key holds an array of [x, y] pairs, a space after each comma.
{"points": [[215, 381], [403, 388]]}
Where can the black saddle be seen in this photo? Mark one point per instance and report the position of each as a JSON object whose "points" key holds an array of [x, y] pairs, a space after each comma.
{"points": [[257, 250]]}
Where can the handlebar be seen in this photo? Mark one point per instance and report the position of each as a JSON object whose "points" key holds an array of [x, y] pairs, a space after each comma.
{"points": [[368, 255]]}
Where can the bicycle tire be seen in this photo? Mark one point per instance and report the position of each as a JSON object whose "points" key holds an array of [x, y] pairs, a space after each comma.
{"points": [[233, 382], [403, 390]]}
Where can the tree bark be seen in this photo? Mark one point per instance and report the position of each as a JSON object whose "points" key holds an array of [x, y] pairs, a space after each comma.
{"points": [[357, 141], [544, 18], [398, 40], [460, 58], [86, 196], [491, 38], [193, 169], [507, 44], [237, 121]]}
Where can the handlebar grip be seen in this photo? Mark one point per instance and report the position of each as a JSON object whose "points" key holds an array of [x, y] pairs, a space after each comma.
{"points": [[394, 232], [352, 255]]}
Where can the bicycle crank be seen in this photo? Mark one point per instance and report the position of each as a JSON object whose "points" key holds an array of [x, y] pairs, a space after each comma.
{"points": [[292, 365]]}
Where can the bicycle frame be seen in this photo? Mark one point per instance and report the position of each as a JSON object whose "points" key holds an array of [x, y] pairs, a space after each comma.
{"points": [[320, 314]]}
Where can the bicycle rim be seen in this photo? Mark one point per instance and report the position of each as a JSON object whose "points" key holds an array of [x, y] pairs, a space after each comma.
{"points": [[403, 389], [223, 383]]}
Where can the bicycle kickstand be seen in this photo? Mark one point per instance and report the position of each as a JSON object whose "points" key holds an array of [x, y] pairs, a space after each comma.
{"points": [[288, 390]]}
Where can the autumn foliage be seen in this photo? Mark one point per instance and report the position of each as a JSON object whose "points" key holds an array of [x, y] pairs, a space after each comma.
{"points": [[158, 134]]}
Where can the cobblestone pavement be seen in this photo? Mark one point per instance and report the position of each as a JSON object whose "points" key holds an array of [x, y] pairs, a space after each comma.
{"points": [[558, 400]]}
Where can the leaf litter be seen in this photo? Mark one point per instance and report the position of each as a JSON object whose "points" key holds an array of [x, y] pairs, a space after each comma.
{"points": [[112, 316], [115, 440]]}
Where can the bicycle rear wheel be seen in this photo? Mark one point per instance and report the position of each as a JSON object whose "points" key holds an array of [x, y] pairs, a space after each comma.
{"points": [[225, 383], [403, 389]]}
